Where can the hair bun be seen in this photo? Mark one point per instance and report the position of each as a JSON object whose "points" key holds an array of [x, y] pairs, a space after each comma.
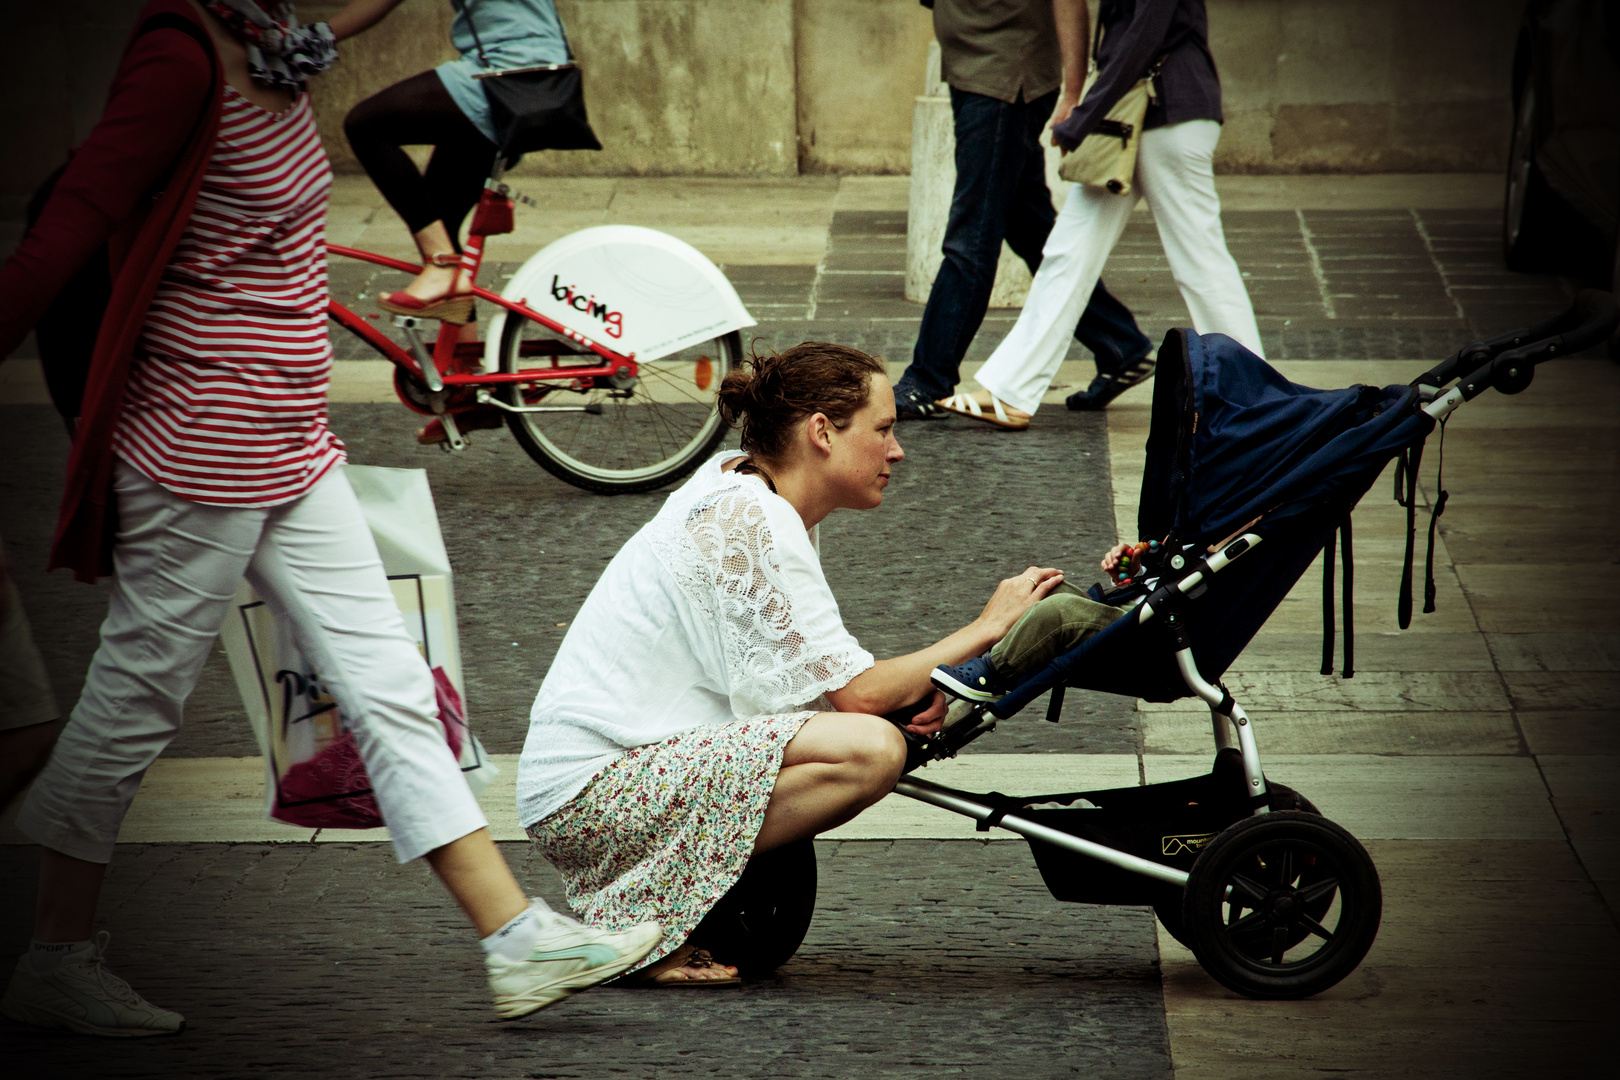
{"points": [[767, 394]]}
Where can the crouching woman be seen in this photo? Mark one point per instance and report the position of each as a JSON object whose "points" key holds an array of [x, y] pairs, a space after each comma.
{"points": [[707, 702]]}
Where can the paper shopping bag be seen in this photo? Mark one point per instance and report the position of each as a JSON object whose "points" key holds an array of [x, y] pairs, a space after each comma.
{"points": [[313, 773]]}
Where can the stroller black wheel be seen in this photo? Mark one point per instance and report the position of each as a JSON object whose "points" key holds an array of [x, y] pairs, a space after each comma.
{"points": [[1168, 908], [1168, 904], [762, 921], [1282, 906]]}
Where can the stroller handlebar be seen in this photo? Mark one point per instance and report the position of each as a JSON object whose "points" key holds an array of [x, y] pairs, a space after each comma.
{"points": [[1190, 584], [1508, 362]]}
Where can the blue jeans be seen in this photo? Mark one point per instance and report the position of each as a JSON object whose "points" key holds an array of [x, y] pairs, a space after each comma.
{"points": [[1001, 194]]}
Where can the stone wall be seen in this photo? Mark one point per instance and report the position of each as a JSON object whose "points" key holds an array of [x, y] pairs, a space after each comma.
{"points": [[776, 87], [1373, 86]]}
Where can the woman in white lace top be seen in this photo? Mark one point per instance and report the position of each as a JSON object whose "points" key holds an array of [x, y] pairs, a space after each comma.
{"points": [[708, 702]]}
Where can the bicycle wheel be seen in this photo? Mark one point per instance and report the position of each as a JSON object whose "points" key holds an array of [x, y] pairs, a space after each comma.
{"points": [[616, 436]]}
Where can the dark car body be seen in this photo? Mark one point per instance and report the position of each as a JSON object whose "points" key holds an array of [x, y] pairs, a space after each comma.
{"points": [[1562, 208]]}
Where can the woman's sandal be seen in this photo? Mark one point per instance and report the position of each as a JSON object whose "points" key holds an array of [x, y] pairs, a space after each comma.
{"points": [[1107, 385], [967, 405], [665, 977], [453, 308]]}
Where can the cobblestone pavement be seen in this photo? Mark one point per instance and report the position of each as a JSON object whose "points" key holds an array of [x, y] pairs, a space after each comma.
{"points": [[925, 959]]}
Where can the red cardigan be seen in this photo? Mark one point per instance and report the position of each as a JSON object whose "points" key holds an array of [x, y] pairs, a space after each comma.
{"points": [[163, 110]]}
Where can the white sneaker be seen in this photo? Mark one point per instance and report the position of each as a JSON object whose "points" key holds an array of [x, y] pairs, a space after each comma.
{"points": [[569, 956], [82, 995]]}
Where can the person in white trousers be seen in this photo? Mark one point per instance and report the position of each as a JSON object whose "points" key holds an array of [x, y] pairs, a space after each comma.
{"points": [[1174, 173], [202, 431]]}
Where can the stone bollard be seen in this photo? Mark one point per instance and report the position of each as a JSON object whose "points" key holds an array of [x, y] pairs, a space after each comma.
{"points": [[933, 177]]}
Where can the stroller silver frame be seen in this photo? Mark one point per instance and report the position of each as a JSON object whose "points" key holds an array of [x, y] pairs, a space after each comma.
{"points": [[1232, 730]]}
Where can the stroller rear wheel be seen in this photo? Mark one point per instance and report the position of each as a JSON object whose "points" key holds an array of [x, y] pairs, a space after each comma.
{"points": [[1282, 906], [1167, 906]]}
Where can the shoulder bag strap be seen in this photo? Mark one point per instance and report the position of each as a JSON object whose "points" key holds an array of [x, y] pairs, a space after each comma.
{"points": [[466, 9]]}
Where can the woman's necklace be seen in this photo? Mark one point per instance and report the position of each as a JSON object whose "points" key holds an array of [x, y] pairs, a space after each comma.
{"points": [[748, 466]]}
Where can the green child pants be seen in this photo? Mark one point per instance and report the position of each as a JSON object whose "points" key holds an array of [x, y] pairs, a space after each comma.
{"points": [[1057, 623]]}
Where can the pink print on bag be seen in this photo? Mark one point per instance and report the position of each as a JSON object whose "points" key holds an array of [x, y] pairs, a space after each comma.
{"points": [[331, 790]]}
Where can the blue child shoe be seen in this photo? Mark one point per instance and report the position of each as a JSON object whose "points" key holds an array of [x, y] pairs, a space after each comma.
{"points": [[975, 680]]}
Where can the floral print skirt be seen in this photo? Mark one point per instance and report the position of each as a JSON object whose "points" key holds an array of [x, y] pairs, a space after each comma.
{"points": [[666, 830]]}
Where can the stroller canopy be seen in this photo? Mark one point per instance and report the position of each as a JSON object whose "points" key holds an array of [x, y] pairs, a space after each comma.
{"points": [[1230, 441]]}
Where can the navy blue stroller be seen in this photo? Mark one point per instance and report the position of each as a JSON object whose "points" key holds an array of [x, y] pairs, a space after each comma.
{"points": [[1249, 477]]}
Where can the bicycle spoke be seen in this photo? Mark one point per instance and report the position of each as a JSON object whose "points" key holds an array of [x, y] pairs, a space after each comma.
{"points": [[1279, 944], [1314, 927]]}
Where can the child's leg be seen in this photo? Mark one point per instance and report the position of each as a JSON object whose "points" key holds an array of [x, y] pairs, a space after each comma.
{"points": [[1056, 624]]}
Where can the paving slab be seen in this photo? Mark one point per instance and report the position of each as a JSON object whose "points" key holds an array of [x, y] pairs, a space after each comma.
{"points": [[1408, 798], [1444, 992], [1367, 691], [1345, 732]]}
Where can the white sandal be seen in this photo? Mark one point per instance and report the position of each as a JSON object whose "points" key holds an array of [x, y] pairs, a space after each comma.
{"points": [[967, 405]]}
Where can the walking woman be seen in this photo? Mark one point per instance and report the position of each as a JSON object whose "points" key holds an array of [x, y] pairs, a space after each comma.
{"points": [[1174, 173], [202, 455], [708, 703]]}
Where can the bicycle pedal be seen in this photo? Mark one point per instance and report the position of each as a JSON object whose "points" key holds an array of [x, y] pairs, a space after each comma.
{"points": [[453, 440]]}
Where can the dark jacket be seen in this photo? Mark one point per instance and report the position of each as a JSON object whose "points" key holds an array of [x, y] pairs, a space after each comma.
{"points": [[162, 112], [1135, 33]]}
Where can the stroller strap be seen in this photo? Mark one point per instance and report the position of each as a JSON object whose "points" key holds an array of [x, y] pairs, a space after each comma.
{"points": [[1340, 537], [1434, 521], [1406, 472]]}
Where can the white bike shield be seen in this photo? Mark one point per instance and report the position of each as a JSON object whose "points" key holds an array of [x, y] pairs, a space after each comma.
{"points": [[637, 291]]}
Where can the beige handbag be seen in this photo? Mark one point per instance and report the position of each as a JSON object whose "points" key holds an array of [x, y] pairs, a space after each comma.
{"points": [[1106, 159]]}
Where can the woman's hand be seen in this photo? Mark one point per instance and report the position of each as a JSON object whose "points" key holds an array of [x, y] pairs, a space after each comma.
{"points": [[932, 718], [1013, 597], [1066, 103]]}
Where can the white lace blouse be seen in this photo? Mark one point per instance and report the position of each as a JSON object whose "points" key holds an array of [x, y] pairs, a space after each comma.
{"points": [[716, 610]]}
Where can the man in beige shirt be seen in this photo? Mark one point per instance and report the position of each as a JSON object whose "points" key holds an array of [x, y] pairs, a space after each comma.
{"points": [[1012, 66]]}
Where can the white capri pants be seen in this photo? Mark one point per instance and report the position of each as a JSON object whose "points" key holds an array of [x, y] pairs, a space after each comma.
{"points": [[177, 566], [1175, 174]]}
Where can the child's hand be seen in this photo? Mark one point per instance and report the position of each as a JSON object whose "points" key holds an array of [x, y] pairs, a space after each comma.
{"points": [[1122, 562], [1115, 555]]}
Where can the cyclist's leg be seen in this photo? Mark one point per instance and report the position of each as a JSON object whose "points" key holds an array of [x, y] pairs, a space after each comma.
{"points": [[416, 111], [455, 174]]}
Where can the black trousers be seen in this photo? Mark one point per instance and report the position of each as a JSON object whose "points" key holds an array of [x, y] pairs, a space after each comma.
{"points": [[419, 112]]}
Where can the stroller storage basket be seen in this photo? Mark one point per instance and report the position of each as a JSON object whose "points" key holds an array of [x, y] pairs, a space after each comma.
{"points": [[1169, 823]]}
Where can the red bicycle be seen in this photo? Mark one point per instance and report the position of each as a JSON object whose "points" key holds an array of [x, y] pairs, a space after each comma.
{"points": [[604, 354]]}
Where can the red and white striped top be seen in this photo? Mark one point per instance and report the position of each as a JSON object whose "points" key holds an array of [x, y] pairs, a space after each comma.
{"points": [[226, 401]]}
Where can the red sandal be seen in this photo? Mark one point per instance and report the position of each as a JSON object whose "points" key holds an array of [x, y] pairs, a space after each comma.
{"points": [[453, 308]]}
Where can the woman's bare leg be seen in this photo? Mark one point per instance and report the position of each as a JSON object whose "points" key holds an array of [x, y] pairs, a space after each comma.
{"points": [[835, 767], [476, 874]]}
